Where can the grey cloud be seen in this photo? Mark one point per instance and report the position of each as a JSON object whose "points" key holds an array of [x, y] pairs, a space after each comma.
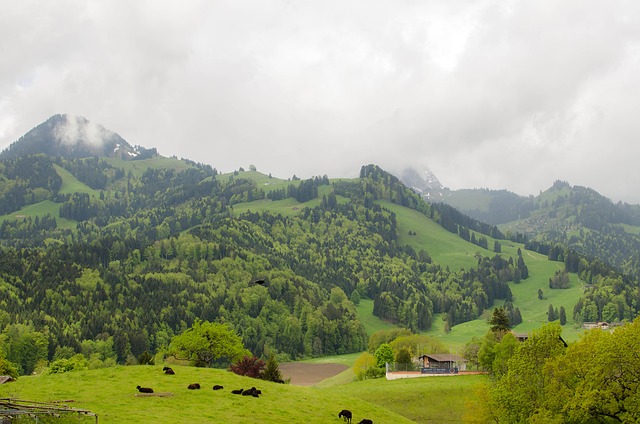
{"points": [[486, 93]]}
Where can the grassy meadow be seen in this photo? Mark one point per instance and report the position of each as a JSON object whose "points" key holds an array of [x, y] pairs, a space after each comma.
{"points": [[111, 394], [442, 246]]}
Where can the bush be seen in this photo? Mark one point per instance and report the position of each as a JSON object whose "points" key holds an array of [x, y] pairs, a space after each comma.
{"points": [[366, 367], [8, 368], [383, 354], [146, 358], [250, 366], [75, 363]]}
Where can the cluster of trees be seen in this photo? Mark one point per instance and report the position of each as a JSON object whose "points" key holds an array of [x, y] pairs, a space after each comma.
{"points": [[302, 192], [26, 180], [541, 380], [24, 227], [554, 314], [609, 295], [560, 280]]}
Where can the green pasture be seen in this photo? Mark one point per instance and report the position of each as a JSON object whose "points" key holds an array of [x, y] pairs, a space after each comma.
{"points": [[371, 322], [422, 400], [111, 393], [71, 184], [442, 246], [138, 167], [631, 229], [459, 335], [285, 207], [41, 209], [262, 181]]}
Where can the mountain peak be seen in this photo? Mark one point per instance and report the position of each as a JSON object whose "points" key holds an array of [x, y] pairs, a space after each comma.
{"points": [[74, 137], [425, 183]]}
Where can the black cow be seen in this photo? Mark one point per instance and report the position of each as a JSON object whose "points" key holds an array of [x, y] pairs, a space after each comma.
{"points": [[345, 414], [251, 392], [217, 387], [366, 421], [144, 389], [168, 371], [193, 386], [237, 392]]}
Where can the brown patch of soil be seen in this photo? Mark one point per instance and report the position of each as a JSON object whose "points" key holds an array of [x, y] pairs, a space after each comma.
{"points": [[304, 374]]}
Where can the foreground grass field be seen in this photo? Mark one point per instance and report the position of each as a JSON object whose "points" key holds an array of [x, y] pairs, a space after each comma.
{"points": [[422, 400], [111, 393]]}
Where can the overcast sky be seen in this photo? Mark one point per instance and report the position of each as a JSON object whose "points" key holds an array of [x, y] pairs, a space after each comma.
{"points": [[497, 94]]}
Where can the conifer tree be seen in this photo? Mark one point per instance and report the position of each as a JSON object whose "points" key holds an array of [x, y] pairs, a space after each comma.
{"points": [[563, 316], [551, 315], [272, 370], [499, 321]]}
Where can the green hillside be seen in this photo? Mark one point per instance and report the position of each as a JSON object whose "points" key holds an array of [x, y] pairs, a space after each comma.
{"points": [[40, 209], [138, 167], [70, 184], [111, 394], [444, 247], [188, 244], [448, 249]]}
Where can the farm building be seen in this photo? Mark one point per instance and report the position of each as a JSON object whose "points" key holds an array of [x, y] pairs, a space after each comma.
{"points": [[521, 337], [442, 363], [6, 379], [428, 365]]}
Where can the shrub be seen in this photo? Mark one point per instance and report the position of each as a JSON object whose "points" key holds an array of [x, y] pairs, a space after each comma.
{"points": [[250, 366], [75, 363]]}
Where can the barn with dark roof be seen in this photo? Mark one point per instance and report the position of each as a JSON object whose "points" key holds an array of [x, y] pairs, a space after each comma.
{"points": [[442, 363]]}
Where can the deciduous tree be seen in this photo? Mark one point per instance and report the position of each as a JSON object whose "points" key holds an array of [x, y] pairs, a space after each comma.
{"points": [[207, 342]]}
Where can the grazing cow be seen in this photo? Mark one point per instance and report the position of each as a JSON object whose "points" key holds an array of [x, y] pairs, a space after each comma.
{"points": [[144, 389], [237, 392], [251, 392], [193, 386], [168, 371], [366, 421], [217, 387], [345, 414]]}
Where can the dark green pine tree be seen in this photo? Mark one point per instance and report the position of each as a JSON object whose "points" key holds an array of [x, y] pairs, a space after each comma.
{"points": [[517, 317], [499, 321], [272, 370], [551, 315], [563, 316]]}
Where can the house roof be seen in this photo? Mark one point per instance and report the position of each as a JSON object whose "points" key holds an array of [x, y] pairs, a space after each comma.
{"points": [[6, 379], [524, 336], [445, 357]]}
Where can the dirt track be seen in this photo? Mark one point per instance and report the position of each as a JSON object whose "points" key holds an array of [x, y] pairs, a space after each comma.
{"points": [[303, 374]]}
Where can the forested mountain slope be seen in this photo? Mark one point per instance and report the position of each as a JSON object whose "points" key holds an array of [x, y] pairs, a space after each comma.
{"points": [[151, 253], [597, 239], [151, 245]]}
